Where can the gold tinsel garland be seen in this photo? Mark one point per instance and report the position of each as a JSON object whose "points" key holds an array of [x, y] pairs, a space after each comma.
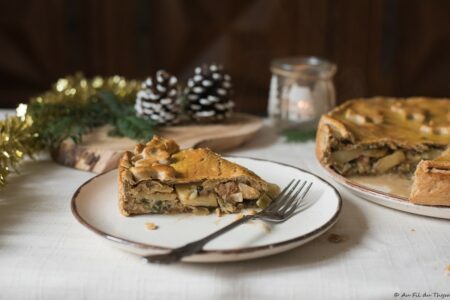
{"points": [[17, 139], [22, 135], [78, 89]]}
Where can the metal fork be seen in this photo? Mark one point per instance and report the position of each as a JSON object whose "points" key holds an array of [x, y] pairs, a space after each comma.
{"points": [[282, 208]]}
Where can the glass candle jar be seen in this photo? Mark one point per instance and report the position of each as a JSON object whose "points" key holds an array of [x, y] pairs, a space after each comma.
{"points": [[301, 90]]}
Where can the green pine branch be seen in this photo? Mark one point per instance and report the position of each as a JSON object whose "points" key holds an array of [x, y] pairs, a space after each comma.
{"points": [[298, 135], [55, 122]]}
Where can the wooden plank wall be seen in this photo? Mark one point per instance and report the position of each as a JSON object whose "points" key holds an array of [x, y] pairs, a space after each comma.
{"points": [[382, 47]]}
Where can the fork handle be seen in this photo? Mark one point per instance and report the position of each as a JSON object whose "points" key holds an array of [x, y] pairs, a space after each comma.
{"points": [[189, 249]]}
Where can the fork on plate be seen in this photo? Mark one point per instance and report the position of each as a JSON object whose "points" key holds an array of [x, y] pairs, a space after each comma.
{"points": [[284, 206]]}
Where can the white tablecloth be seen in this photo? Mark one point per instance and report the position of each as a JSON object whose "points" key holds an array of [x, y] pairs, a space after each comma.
{"points": [[46, 254]]}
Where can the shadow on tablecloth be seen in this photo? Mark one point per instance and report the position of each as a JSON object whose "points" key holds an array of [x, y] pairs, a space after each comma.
{"points": [[338, 241]]}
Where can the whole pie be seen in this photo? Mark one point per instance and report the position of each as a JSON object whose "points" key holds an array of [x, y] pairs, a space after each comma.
{"points": [[159, 178], [391, 135]]}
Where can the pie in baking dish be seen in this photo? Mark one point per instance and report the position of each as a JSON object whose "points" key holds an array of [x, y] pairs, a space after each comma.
{"points": [[391, 135], [159, 178]]}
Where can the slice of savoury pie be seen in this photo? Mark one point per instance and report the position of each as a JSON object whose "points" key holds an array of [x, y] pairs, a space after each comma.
{"points": [[391, 135], [159, 178]]}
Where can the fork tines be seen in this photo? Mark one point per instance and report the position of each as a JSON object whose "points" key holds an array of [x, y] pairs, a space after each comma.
{"points": [[290, 197]]}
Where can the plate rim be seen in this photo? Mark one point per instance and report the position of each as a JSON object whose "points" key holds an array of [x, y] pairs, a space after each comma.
{"points": [[348, 183], [145, 246]]}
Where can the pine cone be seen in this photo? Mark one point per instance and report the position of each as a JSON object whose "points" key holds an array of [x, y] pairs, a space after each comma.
{"points": [[158, 99], [208, 94]]}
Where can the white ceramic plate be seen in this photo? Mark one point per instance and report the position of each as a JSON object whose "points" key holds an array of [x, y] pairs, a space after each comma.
{"points": [[386, 192], [94, 205]]}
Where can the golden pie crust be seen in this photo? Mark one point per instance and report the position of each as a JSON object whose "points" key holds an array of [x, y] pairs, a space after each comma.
{"points": [[391, 135], [158, 177]]}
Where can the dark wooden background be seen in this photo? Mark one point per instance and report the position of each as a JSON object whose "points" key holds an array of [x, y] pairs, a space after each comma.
{"points": [[391, 47]]}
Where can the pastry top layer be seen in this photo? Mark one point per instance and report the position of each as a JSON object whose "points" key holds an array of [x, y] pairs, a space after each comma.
{"points": [[162, 159], [405, 121]]}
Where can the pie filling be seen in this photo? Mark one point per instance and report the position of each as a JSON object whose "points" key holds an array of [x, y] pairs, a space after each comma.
{"points": [[152, 196], [374, 159]]}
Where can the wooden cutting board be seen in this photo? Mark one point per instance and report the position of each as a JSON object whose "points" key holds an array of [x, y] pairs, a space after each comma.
{"points": [[99, 152]]}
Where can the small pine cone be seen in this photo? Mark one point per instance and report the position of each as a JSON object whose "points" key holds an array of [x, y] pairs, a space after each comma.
{"points": [[208, 94], [158, 99]]}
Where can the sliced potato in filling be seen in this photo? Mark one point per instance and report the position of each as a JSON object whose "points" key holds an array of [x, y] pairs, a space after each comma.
{"points": [[390, 161], [379, 160], [229, 196], [189, 195], [344, 156]]}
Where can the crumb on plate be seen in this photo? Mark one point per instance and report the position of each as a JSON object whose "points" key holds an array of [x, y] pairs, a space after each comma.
{"points": [[151, 226], [266, 227]]}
